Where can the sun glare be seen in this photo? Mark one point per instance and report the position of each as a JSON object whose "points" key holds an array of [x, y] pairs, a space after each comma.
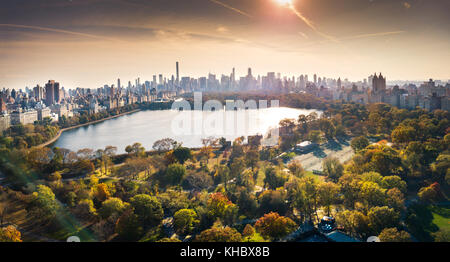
{"points": [[284, 2]]}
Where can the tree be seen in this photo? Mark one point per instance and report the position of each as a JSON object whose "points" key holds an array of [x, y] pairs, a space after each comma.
{"points": [[165, 144], [185, 220], [403, 134], [101, 192], [219, 234], [359, 143], [182, 154], [148, 209], [252, 158], [393, 235], [443, 235], [45, 202], [218, 206], [112, 206], [332, 168], [273, 201], [10, 234], [328, 193], [85, 210], [327, 126], [390, 182], [372, 194], [275, 226], [175, 173], [315, 136], [382, 217], [296, 168], [354, 222], [274, 178], [136, 149], [197, 181], [428, 194], [248, 230], [245, 179], [128, 226]]}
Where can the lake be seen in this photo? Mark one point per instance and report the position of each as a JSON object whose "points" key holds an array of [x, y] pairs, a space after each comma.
{"points": [[188, 127]]}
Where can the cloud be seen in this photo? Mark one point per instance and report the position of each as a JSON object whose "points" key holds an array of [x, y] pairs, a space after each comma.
{"points": [[310, 24], [56, 30], [222, 29], [374, 35], [232, 8]]}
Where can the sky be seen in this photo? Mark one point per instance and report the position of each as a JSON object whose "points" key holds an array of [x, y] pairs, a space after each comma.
{"points": [[90, 43]]}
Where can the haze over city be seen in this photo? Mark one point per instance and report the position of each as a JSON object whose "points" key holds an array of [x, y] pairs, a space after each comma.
{"points": [[87, 43]]}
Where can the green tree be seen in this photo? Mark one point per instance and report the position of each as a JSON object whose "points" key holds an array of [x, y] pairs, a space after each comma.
{"points": [[332, 168], [182, 154], [46, 204], [393, 235], [128, 226], [175, 173], [185, 221], [328, 193], [112, 206], [359, 143], [148, 209], [382, 217]]}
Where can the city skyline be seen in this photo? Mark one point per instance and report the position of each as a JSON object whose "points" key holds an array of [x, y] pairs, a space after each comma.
{"points": [[87, 43]]}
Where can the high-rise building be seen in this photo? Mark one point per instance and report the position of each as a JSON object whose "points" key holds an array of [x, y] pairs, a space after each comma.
{"points": [[118, 83], [378, 84], [51, 93], [178, 74], [38, 92]]}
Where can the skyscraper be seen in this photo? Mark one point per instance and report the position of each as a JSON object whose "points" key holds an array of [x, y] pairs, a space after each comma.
{"points": [[178, 74], [118, 83], [51, 92]]}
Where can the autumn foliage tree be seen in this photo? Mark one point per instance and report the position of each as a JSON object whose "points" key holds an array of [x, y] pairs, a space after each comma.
{"points": [[275, 226]]}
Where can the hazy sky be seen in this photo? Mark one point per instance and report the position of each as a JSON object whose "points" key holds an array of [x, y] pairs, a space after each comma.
{"points": [[89, 43]]}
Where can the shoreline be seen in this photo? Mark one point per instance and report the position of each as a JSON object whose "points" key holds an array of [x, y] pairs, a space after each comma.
{"points": [[55, 138]]}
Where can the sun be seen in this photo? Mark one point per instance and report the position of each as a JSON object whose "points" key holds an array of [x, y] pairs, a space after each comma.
{"points": [[284, 2]]}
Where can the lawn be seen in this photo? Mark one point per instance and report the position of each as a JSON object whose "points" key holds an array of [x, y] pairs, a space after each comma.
{"points": [[441, 216], [317, 178]]}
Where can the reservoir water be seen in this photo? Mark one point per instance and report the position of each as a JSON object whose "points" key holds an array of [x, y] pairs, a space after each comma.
{"points": [[188, 127]]}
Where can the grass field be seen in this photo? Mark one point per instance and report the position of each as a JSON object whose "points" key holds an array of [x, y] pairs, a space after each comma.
{"points": [[441, 216]]}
